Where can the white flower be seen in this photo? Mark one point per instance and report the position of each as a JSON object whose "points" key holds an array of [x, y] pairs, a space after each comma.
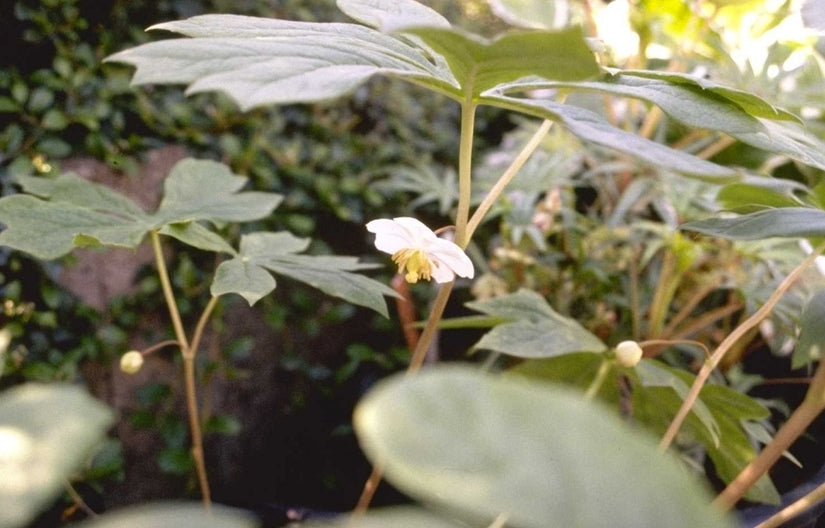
{"points": [[628, 353], [420, 253]]}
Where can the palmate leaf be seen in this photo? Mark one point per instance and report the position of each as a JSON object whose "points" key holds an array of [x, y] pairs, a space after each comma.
{"points": [[260, 61], [532, 328], [809, 345], [482, 445], [247, 274], [70, 212]]}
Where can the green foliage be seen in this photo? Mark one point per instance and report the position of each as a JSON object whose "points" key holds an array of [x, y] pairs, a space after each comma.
{"points": [[46, 432], [530, 328], [72, 212], [503, 446]]}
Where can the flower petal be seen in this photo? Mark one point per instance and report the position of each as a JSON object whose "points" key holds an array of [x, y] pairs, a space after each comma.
{"points": [[390, 236], [419, 232], [452, 256], [441, 273]]}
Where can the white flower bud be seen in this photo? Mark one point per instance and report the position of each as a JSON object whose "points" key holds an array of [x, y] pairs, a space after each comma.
{"points": [[628, 353], [131, 361]]}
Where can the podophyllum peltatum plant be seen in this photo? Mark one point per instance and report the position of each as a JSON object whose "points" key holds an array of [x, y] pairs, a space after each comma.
{"points": [[477, 448]]}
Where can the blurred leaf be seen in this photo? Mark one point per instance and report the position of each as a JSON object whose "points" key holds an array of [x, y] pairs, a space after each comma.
{"points": [[174, 515], [785, 222], [589, 126], [531, 13], [811, 332], [394, 517], [46, 432], [748, 198], [390, 15], [533, 329], [176, 460], [246, 273], [482, 446]]}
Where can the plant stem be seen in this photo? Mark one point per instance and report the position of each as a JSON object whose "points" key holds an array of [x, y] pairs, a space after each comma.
{"points": [[794, 509], [800, 419], [188, 354], [727, 343], [507, 177], [465, 169], [598, 381], [462, 239]]}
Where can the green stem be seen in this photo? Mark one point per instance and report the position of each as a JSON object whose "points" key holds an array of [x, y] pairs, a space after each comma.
{"points": [[188, 354], [507, 177], [465, 169], [598, 381]]}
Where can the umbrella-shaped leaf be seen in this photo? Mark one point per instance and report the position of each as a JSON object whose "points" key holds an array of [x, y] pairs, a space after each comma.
{"points": [[259, 61], [481, 64], [483, 446]]}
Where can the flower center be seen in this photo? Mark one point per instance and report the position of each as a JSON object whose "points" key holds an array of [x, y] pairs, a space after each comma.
{"points": [[416, 263]]}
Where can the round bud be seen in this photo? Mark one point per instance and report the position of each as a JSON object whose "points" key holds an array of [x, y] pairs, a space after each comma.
{"points": [[628, 353], [131, 361]]}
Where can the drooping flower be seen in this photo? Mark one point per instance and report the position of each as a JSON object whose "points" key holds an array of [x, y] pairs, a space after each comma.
{"points": [[418, 252]]}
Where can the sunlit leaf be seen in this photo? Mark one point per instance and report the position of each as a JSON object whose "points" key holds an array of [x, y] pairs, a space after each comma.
{"points": [[479, 64], [483, 446], [259, 61], [46, 432], [391, 15]]}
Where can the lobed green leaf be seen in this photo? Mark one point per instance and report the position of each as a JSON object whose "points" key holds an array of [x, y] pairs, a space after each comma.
{"points": [[532, 328], [811, 332]]}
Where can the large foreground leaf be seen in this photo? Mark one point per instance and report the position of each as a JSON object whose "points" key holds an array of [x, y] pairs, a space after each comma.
{"points": [[396, 517], [46, 432], [174, 515], [532, 329], [484, 446]]}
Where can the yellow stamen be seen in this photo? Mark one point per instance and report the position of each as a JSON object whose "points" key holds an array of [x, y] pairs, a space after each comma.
{"points": [[415, 262]]}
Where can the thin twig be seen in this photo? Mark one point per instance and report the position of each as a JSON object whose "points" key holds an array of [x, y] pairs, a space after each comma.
{"points": [[78, 500], [727, 343]]}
